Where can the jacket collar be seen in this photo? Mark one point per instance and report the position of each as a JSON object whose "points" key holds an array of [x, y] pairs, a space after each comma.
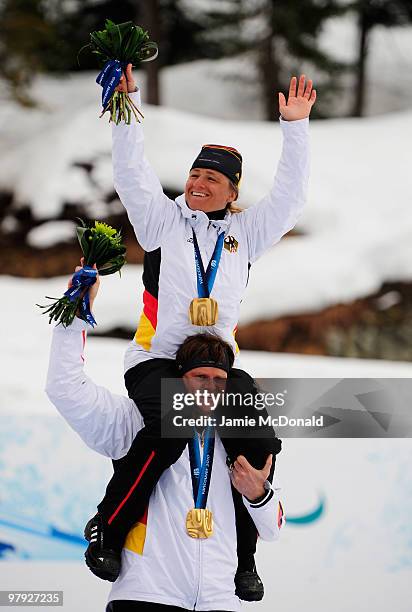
{"points": [[200, 218]]}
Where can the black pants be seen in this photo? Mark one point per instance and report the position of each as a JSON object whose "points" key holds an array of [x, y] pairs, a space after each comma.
{"points": [[136, 474], [143, 606]]}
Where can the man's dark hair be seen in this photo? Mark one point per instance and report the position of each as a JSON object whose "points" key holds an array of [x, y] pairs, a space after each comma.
{"points": [[204, 350]]}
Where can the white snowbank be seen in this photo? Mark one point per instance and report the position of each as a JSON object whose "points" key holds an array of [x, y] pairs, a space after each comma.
{"points": [[26, 336], [51, 233], [356, 225]]}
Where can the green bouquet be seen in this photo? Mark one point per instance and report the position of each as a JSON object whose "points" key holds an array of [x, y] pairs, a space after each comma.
{"points": [[116, 46], [103, 253]]}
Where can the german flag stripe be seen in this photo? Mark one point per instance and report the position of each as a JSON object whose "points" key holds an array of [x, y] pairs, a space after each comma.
{"points": [[137, 535], [231, 150], [136, 538], [236, 344], [144, 333], [148, 321], [150, 306]]}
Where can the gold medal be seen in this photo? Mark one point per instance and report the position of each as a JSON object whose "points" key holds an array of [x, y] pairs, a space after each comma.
{"points": [[203, 312], [199, 523]]}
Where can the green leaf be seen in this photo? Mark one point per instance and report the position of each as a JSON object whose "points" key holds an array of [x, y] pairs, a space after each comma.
{"points": [[82, 236], [116, 38], [112, 266], [127, 38], [124, 41], [100, 42], [148, 52]]}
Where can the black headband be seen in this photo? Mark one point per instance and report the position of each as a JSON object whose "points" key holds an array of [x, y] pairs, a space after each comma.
{"points": [[226, 160], [195, 362]]}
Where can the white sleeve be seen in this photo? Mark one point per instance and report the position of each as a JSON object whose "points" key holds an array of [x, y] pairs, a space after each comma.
{"points": [[106, 422], [267, 514], [150, 211], [277, 213]]}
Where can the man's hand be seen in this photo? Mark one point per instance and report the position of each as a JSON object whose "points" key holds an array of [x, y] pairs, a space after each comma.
{"points": [[93, 291], [299, 103], [247, 480], [127, 83]]}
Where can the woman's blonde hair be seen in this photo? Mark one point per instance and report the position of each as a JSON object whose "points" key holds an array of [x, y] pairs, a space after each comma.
{"points": [[232, 207]]}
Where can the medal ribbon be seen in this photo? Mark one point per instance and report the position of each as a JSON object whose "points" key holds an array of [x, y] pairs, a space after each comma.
{"points": [[201, 470], [83, 279], [109, 79], [206, 280]]}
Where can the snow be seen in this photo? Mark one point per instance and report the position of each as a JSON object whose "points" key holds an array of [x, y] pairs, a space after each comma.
{"points": [[356, 234], [356, 224], [389, 59], [26, 335], [51, 233]]}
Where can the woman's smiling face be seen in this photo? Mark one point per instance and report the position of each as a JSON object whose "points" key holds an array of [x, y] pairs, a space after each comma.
{"points": [[208, 190]]}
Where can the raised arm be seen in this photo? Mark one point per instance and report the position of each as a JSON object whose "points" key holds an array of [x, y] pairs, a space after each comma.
{"points": [[106, 422], [150, 211], [277, 213]]}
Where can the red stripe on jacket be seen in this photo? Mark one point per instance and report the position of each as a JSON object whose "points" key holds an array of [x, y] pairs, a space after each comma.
{"points": [[150, 306]]}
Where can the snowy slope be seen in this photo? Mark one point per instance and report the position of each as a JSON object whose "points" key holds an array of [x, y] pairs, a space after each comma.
{"points": [[25, 337], [357, 223]]}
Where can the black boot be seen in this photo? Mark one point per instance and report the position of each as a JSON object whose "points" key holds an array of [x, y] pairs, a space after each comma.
{"points": [[102, 559], [249, 586]]}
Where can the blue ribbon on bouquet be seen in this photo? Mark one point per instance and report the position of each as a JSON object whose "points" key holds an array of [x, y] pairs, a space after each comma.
{"points": [[83, 279], [109, 78]]}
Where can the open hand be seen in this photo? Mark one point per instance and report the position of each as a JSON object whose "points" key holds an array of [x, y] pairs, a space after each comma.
{"points": [[299, 102], [247, 480], [127, 82]]}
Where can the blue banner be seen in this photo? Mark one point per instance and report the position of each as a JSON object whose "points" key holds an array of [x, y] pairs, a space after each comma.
{"points": [[82, 280], [109, 79]]}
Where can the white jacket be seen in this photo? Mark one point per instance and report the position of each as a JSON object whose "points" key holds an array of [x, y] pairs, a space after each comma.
{"points": [[161, 222], [160, 562]]}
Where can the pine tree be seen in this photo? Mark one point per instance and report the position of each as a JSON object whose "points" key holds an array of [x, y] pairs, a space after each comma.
{"points": [[371, 13], [281, 36], [24, 34], [45, 36]]}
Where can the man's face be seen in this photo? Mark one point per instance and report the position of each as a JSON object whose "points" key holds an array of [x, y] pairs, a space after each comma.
{"points": [[212, 380], [208, 190]]}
